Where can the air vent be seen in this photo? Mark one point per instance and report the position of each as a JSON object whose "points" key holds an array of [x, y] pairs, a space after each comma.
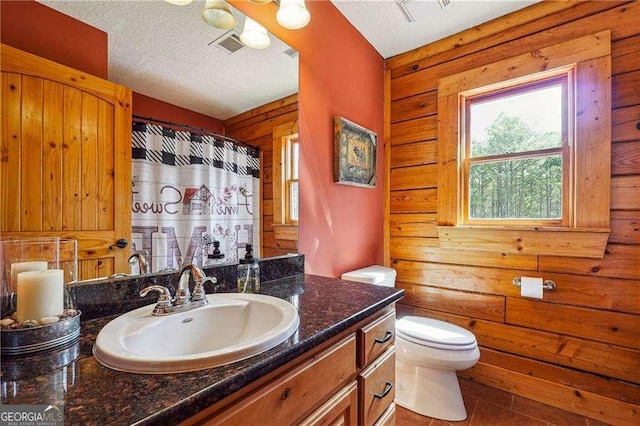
{"points": [[228, 43], [291, 52], [414, 10]]}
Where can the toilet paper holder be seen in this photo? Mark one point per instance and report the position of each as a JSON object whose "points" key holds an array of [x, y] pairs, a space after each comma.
{"points": [[546, 284]]}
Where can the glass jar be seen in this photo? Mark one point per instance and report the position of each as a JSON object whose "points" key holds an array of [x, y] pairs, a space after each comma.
{"points": [[248, 276]]}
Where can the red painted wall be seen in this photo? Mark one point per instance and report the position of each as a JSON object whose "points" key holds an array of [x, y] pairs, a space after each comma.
{"points": [[43, 31], [341, 227], [154, 108], [38, 29]]}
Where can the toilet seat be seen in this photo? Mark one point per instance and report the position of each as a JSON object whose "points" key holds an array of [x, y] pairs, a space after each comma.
{"points": [[435, 334]]}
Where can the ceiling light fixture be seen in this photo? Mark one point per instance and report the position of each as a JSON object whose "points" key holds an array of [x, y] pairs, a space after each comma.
{"points": [[292, 14], [254, 35], [217, 13]]}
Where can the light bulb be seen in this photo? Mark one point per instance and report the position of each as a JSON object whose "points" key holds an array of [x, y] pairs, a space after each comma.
{"points": [[292, 14], [254, 35], [217, 13]]}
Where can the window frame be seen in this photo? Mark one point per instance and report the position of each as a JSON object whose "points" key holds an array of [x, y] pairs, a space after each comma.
{"points": [[289, 179], [588, 230], [283, 227], [564, 78]]}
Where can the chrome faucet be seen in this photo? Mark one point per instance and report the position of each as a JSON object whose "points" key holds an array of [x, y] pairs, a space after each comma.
{"points": [[184, 299], [141, 260]]}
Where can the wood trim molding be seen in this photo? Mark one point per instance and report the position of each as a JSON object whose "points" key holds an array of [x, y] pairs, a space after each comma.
{"points": [[590, 56]]}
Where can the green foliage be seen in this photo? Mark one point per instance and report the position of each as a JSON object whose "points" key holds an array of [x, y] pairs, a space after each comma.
{"points": [[520, 188]]}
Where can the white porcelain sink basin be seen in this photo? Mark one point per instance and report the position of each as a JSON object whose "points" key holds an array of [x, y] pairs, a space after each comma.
{"points": [[230, 328]]}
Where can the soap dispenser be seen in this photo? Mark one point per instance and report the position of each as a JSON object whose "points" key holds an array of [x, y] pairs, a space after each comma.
{"points": [[215, 257], [248, 273]]}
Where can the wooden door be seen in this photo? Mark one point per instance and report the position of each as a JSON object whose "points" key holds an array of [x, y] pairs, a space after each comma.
{"points": [[65, 159]]}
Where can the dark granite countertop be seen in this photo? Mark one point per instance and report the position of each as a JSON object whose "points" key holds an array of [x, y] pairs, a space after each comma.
{"points": [[95, 395]]}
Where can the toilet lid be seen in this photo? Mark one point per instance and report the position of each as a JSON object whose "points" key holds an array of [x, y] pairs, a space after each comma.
{"points": [[435, 333]]}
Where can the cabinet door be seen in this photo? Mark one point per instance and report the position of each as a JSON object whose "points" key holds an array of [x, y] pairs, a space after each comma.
{"points": [[340, 410], [66, 159], [376, 388], [293, 396]]}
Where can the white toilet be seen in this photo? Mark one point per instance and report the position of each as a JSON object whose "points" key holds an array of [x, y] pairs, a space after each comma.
{"points": [[428, 353]]}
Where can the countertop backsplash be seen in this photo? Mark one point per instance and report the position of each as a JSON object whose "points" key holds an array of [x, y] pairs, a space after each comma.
{"points": [[101, 298]]}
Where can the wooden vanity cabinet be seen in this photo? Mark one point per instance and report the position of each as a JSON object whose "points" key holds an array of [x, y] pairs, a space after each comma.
{"points": [[348, 380]]}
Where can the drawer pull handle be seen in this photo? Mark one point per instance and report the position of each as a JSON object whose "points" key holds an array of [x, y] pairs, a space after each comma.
{"points": [[386, 337], [387, 388]]}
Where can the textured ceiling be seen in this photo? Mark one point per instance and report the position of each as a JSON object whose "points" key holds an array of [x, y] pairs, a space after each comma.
{"points": [[161, 50], [385, 26]]}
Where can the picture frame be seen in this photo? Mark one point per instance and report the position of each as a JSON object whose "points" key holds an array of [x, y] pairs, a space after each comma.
{"points": [[354, 154]]}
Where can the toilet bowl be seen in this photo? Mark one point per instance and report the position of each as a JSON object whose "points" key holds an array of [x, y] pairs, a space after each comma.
{"points": [[428, 353]]}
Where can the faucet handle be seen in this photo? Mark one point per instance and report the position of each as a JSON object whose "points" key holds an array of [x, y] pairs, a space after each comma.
{"points": [[198, 290], [165, 295]]}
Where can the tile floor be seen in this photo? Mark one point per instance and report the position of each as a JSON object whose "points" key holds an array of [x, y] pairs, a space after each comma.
{"points": [[489, 406]]}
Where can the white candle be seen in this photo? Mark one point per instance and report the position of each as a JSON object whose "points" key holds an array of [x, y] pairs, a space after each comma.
{"points": [[16, 268], [40, 294]]}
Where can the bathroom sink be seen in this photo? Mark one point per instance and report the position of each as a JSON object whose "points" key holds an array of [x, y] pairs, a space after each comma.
{"points": [[230, 328]]}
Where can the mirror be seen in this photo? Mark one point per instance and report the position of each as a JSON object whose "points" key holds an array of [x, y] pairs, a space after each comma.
{"points": [[169, 53]]}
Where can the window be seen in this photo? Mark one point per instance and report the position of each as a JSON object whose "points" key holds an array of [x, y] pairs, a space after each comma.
{"points": [[505, 183], [515, 152], [286, 153], [291, 155]]}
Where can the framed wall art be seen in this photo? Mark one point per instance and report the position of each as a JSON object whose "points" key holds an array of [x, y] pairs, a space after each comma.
{"points": [[354, 154]]}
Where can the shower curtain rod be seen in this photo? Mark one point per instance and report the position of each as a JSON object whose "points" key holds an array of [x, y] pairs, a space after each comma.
{"points": [[196, 129]]}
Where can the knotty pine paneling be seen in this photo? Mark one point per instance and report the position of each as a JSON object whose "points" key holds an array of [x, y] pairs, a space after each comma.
{"points": [[414, 177], [625, 158], [625, 227], [416, 106], [615, 389], [625, 124], [578, 348], [474, 305], [605, 326], [580, 354], [413, 225], [255, 127], [414, 201], [414, 154]]}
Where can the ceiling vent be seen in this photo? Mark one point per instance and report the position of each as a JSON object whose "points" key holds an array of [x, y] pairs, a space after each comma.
{"points": [[229, 42], [414, 10], [291, 52]]}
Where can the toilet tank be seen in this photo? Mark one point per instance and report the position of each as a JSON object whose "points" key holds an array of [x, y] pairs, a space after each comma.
{"points": [[376, 274]]}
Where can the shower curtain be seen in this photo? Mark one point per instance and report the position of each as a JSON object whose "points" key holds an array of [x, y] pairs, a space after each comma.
{"points": [[189, 190]]}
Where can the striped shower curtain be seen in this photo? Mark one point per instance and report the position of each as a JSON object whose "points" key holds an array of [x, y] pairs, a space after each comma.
{"points": [[189, 190]]}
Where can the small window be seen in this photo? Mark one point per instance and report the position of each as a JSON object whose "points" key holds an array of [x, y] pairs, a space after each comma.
{"points": [[291, 179], [516, 154]]}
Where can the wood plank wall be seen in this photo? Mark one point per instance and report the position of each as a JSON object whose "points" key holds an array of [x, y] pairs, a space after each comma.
{"points": [[255, 127], [579, 347]]}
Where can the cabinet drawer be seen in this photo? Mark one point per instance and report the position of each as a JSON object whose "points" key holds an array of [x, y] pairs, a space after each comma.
{"points": [[375, 338], [376, 388], [289, 398], [341, 409], [388, 418]]}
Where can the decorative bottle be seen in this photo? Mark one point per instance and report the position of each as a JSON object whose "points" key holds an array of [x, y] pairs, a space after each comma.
{"points": [[248, 273]]}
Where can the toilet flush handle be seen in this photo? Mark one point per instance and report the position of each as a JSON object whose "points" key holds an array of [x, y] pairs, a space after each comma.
{"points": [[386, 338]]}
